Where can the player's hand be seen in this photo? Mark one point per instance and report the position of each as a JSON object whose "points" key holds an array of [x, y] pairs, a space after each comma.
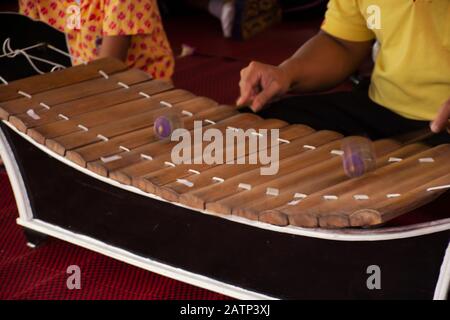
{"points": [[441, 122], [260, 83]]}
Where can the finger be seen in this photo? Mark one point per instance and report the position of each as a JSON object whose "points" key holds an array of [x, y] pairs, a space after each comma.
{"points": [[441, 120], [265, 96], [248, 89], [249, 82], [245, 95]]}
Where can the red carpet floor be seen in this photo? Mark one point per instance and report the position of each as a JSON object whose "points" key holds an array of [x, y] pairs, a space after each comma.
{"points": [[40, 273]]}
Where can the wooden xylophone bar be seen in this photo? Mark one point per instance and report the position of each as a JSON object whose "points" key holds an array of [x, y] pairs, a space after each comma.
{"points": [[100, 116]]}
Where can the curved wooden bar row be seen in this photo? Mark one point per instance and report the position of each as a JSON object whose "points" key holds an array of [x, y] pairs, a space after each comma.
{"points": [[100, 116]]}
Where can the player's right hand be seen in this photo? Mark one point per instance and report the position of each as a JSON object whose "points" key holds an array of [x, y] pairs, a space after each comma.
{"points": [[260, 83]]}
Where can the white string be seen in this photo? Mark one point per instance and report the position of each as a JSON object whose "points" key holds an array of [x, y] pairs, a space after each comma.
{"points": [[6, 42], [59, 51], [8, 52]]}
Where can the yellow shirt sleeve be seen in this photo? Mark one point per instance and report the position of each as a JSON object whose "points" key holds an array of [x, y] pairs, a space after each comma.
{"points": [[130, 17], [345, 20]]}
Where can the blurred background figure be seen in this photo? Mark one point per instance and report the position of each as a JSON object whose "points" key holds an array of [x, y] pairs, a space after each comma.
{"points": [[128, 30], [240, 19]]}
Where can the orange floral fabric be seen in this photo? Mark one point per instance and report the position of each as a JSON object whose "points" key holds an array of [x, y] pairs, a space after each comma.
{"points": [[85, 22]]}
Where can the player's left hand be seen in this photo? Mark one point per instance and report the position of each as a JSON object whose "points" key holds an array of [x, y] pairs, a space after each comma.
{"points": [[441, 122]]}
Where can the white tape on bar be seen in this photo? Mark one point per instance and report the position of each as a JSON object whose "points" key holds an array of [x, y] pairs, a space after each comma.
{"points": [[209, 121], [298, 197], [83, 127], [4, 81], [361, 197], [144, 95], [194, 171], [257, 134], [102, 137], [337, 152], [295, 202], [169, 164], [44, 105], [26, 95], [393, 195], [185, 182], [187, 113], [439, 188], [245, 186], [123, 85], [272, 192], [307, 146], [426, 160], [283, 140], [33, 115], [393, 159], [124, 149], [110, 159], [330, 197], [103, 74], [63, 117], [146, 157], [165, 104], [217, 179]]}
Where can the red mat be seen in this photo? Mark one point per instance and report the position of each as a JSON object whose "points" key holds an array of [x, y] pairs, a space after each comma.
{"points": [[40, 273]]}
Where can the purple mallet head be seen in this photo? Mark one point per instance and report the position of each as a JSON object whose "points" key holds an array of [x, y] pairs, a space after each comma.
{"points": [[163, 127]]}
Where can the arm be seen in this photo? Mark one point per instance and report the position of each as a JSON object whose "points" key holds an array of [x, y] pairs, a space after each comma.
{"points": [[115, 46], [442, 122], [321, 63], [324, 62]]}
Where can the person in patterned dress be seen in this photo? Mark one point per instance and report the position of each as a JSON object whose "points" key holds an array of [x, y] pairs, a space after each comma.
{"points": [[130, 30]]}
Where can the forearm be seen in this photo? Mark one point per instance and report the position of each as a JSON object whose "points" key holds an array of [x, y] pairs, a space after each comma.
{"points": [[115, 46], [324, 62]]}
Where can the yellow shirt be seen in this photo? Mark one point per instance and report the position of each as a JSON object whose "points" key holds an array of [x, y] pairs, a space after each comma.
{"points": [[412, 70], [85, 22]]}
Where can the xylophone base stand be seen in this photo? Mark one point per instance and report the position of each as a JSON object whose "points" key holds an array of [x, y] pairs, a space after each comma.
{"points": [[34, 239]]}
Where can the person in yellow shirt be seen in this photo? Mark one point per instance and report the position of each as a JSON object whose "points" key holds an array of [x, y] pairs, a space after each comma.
{"points": [[410, 83], [130, 30]]}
